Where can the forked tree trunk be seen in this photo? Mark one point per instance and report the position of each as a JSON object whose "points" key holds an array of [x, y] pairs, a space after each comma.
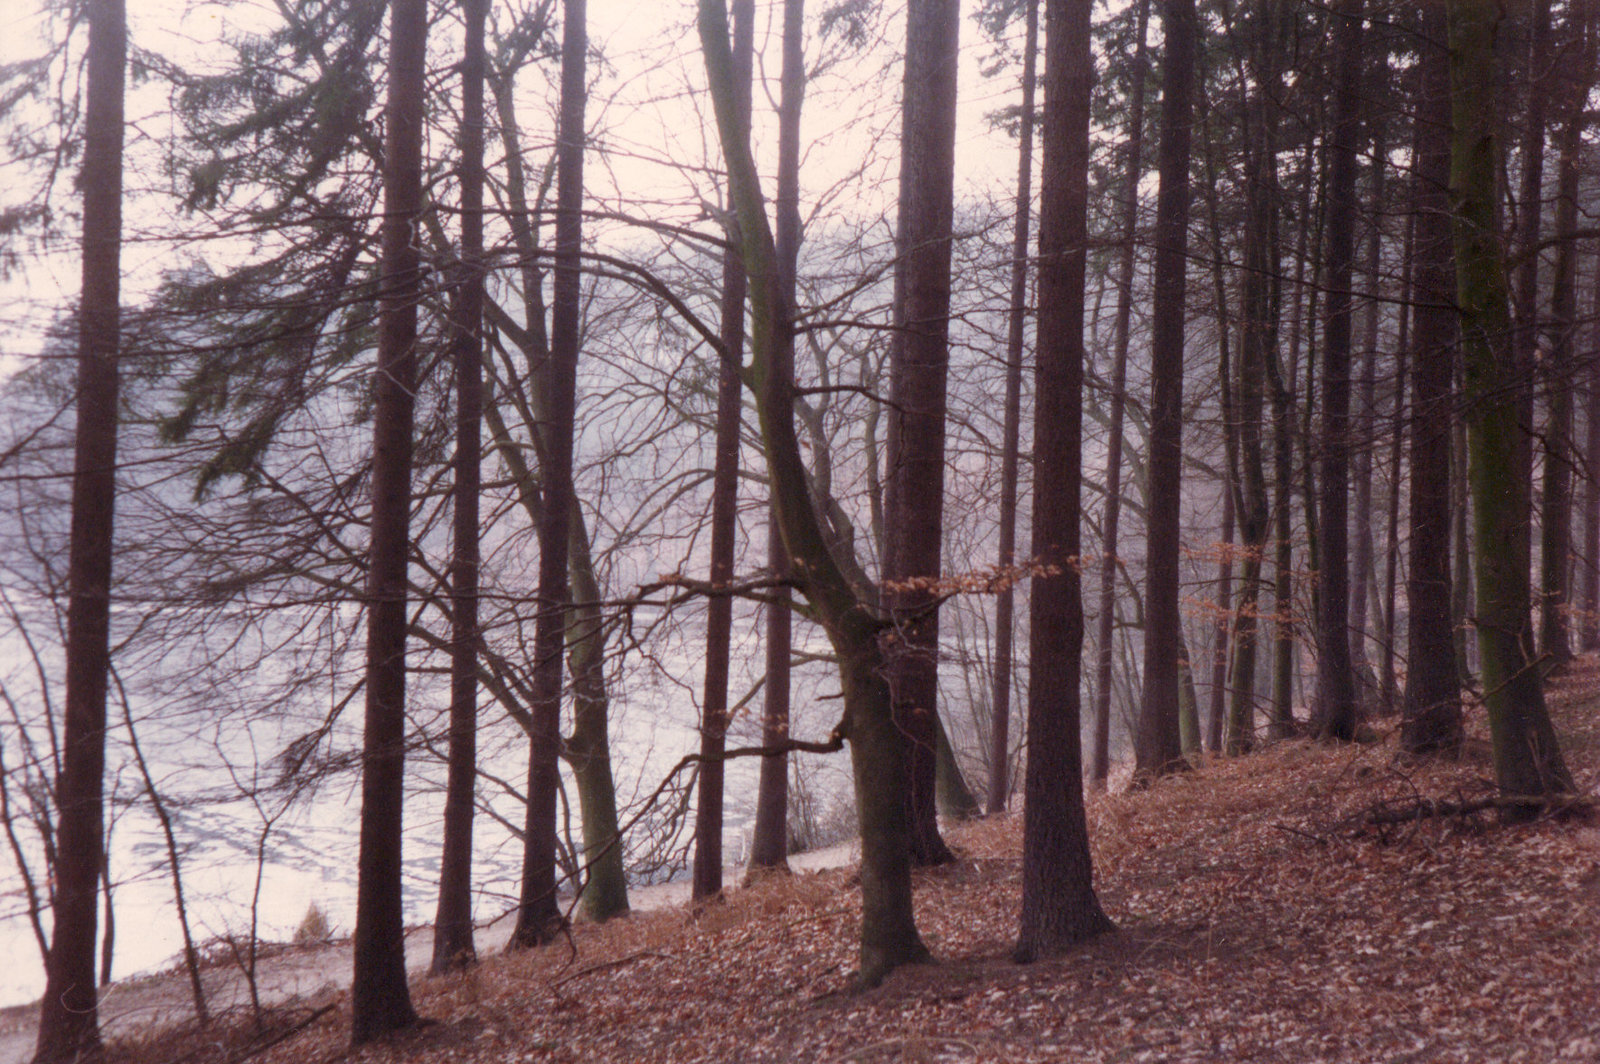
{"points": [[380, 1001], [1004, 603], [1059, 906], [1158, 745], [538, 914], [707, 874], [919, 363], [889, 935], [1527, 757], [452, 926]]}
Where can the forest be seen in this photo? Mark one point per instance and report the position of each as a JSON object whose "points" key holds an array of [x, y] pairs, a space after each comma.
{"points": [[476, 460]]}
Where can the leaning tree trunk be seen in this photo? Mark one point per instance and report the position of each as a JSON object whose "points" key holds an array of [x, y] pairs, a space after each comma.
{"points": [[538, 914], [889, 935], [770, 844], [1527, 758], [452, 926], [1100, 755], [1431, 712], [707, 873], [1059, 906], [1158, 745], [1335, 715], [68, 1022], [919, 365], [1004, 603], [380, 1001]]}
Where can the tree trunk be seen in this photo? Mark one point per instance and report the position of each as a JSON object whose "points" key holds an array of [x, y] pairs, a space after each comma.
{"points": [[1258, 339], [452, 926], [919, 363], [1363, 430], [538, 915], [1100, 758], [1555, 643], [68, 1021], [1158, 745], [1059, 906], [1335, 715], [379, 999], [1589, 632], [1527, 757], [605, 893], [1004, 603], [889, 935], [770, 847], [707, 874], [1431, 713]]}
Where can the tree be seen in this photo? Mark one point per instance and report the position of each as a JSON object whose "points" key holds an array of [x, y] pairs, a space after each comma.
{"points": [[1258, 340], [889, 936], [769, 845], [1059, 906], [68, 1021], [452, 925], [379, 999], [1431, 713], [1335, 715], [1004, 602], [1527, 758], [538, 915], [1555, 554], [919, 359], [724, 517], [1157, 746], [1100, 755]]}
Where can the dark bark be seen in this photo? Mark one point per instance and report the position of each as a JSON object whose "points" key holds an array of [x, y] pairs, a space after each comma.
{"points": [[379, 999], [1157, 744], [1589, 628], [68, 1021], [889, 935], [919, 362], [452, 925], [1431, 713], [538, 915], [1004, 603], [1555, 642], [769, 848], [707, 873], [1258, 338], [1530, 216], [1100, 756], [1363, 423], [1527, 757], [1335, 715], [1059, 906]]}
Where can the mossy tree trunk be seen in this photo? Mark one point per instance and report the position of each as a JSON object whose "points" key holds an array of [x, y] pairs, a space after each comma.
{"points": [[1527, 757], [889, 935]]}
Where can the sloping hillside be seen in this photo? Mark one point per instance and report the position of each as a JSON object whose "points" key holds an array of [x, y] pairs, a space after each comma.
{"points": [[1260, 920]]}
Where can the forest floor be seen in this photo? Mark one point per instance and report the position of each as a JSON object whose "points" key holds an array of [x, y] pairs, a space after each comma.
{"points": [[1260, 918]]}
